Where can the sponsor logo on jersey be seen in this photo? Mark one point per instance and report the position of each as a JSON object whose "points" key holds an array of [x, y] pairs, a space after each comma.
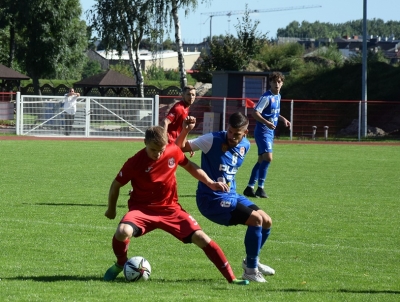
{"points": [[221, 179], [225, 203], [148, 169], [171, 162], [228, 169]]}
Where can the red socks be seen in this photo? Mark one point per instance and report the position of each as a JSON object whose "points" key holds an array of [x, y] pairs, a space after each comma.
{"points": [[120, 249], [217, 256]]}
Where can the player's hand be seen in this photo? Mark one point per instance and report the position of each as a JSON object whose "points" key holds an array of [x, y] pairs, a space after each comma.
{"points": [[270, 125], [219, 186], [189, 123], [110, 214]]}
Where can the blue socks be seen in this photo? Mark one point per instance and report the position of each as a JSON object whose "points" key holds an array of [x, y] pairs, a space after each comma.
{"points": [[262, 173], [259, 173], [254, 175], [265, 234], [252, 242]]}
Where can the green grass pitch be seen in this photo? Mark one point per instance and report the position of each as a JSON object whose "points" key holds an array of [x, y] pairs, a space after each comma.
{"points": [[335, 237]]}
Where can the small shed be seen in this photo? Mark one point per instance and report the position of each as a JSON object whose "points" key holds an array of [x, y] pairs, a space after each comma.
{"points": [[105, 81], [238, 84], [10, 78]]}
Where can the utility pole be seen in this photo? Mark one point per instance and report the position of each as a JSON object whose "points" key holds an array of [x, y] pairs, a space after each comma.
{"points": [[364, 75]]}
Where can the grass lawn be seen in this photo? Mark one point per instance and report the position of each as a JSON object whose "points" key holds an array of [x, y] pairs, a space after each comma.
{"points": [[335, 236]]}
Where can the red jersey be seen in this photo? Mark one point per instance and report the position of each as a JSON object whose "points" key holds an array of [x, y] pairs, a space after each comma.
{"points": [[154, 182], [176, 115]]}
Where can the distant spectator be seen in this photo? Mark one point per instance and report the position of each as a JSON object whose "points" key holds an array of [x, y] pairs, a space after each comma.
{"points": [[70, 100]]}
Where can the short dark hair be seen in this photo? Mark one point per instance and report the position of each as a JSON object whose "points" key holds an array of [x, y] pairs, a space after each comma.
{"points": [[238, 120], [188, 87]]}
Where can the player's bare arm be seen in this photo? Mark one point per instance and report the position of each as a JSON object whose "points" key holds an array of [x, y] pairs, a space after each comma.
{"points": [[200, 175], [181, 141], [258, 117], [113, 195], [164, 123], [285, 121]]}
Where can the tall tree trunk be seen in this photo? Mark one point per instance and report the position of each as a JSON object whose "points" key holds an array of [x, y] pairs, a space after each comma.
{"points": [[36, 84], [136, 66], [178, 41]]}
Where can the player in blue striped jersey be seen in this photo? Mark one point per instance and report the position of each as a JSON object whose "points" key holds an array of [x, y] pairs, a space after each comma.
{"points": [[222, 154], [266, 113]]}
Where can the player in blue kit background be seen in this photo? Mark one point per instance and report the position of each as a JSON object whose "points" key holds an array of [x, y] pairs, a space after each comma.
{"points": [[266, 113], [222, 154]]}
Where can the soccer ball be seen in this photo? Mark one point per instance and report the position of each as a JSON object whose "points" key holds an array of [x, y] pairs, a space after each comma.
{"points": [[137, 268]]}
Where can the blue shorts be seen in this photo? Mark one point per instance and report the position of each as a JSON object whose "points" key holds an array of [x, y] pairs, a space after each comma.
{"points": [[218, 207], [265, 142]]}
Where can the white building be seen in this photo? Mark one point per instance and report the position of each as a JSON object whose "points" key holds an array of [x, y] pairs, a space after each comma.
{"points": [[167, 59]]}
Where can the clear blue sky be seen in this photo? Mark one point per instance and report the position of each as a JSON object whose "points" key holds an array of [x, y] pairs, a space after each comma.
{"points": [[196, 25]]}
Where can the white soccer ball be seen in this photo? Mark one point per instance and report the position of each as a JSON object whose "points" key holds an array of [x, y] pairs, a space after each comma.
{"points": [[137, 268]]}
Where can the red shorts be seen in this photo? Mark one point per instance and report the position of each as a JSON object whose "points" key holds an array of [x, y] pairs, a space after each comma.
{"points": [[179, 223]]}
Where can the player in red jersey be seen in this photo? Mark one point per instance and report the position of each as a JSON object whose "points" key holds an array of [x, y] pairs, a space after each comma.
{"points": [[153, 202], [178, 113]]}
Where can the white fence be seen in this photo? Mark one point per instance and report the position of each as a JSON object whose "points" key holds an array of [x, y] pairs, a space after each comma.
{"points": [[130, 117], [95, 116]]}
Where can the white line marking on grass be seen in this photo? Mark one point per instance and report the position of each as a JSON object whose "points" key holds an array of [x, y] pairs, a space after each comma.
{"points": [[336, 246], [30, 222]]}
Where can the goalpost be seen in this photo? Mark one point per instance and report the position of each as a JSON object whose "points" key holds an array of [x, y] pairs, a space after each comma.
{"points": [[95, 116]]}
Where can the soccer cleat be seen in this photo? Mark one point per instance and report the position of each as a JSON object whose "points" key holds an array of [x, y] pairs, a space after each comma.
{"points": [[112, 272], [264, 269], [261, 193], [240, 282], [249, 192], [257, 277]]}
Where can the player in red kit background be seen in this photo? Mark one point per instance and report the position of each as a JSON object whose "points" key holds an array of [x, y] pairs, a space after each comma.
{"points": [[153, 202], [178, 113]]}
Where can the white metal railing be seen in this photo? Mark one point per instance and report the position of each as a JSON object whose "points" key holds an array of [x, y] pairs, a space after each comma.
{"points": [[95, 116]]}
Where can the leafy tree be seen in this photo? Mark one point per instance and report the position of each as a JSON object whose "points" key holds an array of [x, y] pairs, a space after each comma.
{"points": [[331, 53], [250, 40], [155, 73], [232, 53], [376, 27], [169, 44], [122, 68], [47, 37], [91, 68], [372, 56], [123, 24], [8, 19], [176, 4], [4, 42], [284, 57]]}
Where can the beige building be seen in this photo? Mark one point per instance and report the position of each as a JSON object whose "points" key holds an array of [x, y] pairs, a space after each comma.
{"points": [[167, 59]]}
